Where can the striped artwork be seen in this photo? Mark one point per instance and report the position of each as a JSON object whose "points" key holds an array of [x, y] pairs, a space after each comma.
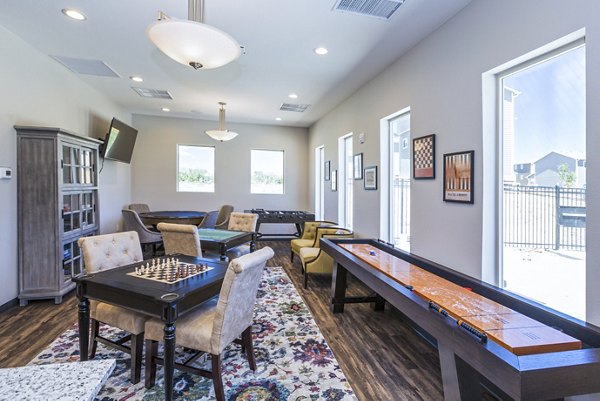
{"points": [[458, 177]]}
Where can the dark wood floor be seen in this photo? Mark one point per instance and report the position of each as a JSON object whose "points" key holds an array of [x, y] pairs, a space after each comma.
{"points": [[382, 357]]}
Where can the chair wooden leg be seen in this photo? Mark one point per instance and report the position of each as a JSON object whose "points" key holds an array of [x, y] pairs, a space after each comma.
{"points": [[292, 256], [216, 376], [95, 331], [137, 341], [247, 344], [305, 276], [150, 371]]}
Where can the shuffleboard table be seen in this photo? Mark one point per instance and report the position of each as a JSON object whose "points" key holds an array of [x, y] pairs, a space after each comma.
{"points": [[485, 335]]}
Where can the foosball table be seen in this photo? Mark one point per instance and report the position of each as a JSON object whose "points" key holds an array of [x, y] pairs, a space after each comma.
{"points": [[516, 348], [295, 217]]}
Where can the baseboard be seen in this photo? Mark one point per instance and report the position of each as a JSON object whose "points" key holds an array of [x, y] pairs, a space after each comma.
{"points": [[10, 304]]}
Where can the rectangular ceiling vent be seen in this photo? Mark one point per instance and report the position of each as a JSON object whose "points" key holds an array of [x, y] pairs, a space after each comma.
{"points": [[382, 9], [87, 67], [152, 93], [298, 108]]}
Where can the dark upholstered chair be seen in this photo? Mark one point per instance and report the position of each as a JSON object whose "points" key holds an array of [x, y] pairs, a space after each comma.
{"points": [[139, 207], [216, 323], [105, 252], [180, 238], [223, 217], [132, 222], [210, 220]]}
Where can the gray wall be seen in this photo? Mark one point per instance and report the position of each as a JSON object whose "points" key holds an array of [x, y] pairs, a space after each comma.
{"points": [[36, 90], [440, 79], [154, 164]]}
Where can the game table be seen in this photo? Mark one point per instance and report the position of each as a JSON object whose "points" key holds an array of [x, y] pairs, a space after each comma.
{"points": [[516, 348], [177, 217], [223, 240], [156, 298], [295, 217]]}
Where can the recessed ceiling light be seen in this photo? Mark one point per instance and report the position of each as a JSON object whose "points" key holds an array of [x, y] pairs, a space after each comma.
{"points": [[321, 51], [166, 109], [293, 96], [71, 13], [277, 118], [136, 78]]}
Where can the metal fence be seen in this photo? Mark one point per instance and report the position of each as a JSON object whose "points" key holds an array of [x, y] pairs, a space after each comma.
{"points": [[547, 217]]}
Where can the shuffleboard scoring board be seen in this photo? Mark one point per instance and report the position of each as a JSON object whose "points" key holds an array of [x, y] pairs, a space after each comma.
{"points": [[512, 330]]}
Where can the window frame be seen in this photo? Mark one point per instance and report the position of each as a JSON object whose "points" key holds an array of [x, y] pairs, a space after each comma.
{"points": [[214, 172], [282, 171]]}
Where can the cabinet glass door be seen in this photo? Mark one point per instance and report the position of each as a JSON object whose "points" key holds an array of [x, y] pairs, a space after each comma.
{"points": [[87, 166], [71, 212], [88, 209], [72, 261]]}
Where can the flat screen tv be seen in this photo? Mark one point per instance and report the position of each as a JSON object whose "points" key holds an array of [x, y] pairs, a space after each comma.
{"points": [[119, 142]]}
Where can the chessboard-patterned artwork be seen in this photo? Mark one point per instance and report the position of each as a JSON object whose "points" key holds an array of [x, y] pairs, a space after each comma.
{"points": [[169, 270], [424, 157], [459, 176]]}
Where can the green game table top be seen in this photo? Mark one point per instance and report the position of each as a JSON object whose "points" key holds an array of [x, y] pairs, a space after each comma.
{"points": [[212, 234]]}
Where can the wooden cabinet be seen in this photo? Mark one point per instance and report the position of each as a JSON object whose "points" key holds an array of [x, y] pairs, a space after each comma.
{"points": [[57, 190]]}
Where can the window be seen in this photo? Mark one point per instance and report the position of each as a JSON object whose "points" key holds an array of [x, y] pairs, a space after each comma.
{"points": [[266, 168], [319, 183], [543, 180], [399, 157], [346, 181], [195, 168]]}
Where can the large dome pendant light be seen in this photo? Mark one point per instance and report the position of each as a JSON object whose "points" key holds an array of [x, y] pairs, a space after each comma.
{"points": [[221, 134], [192, 42]]}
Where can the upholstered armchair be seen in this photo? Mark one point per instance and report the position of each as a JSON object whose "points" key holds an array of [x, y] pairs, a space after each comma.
{"points": [[216, 323], [139, 207], [313, 259], [223, 217], [180, 238], [210, 220], [132, 222], [241, 222], [105, 252], [309, 232]]}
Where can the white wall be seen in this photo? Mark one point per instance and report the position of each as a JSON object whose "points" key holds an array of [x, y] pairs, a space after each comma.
{"points": [[441, 81], [154, 165], [36, 90]]}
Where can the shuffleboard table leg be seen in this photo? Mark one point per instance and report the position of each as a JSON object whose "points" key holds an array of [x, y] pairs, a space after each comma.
{"points": [[338, 288], [460, 381], [379, 304]]}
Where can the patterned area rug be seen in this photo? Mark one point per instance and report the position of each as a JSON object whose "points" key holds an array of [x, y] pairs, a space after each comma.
{"points": [[294, 361]]}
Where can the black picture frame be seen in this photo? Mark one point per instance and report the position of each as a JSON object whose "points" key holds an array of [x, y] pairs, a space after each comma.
{"points": [[334, 180], [370, 178], [423, 157], [357, 164], [327, 171], [459, 176]]}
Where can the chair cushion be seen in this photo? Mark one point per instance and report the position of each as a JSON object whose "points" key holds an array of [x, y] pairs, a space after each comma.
{"points": [[116, 316], [308, 253], [105, 252], [300, 243], [193, 330], [238, 251]]}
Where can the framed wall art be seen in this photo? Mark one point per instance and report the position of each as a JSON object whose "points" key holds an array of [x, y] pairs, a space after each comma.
{"points": [[358, 166], [334, 180], [370, 175], [424, 157], [459, 176], [327, 170]]}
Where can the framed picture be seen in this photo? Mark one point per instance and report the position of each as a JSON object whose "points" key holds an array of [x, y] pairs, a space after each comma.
{"points": [[327, 168], [424, 157], [334, 180], [371, 178], [459, 176], [358, 169]]}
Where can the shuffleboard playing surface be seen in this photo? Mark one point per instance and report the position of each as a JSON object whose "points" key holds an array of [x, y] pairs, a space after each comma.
{"points": [[512, 330]]}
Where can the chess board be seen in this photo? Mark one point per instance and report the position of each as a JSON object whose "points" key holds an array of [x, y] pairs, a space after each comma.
{"points": [[169, 270], [423, 157]]}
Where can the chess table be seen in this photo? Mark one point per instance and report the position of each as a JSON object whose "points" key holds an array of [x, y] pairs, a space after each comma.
{"points": [[295, 217], [165, 301], [224, 240], [518, 349]]}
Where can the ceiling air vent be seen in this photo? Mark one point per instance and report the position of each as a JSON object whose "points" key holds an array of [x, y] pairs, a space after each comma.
{"points": [[152, 93], [383, 9], [87, 67], [298, 108]]}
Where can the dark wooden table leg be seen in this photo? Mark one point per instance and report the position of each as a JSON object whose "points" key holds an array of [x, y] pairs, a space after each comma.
{"points": [[169, 339], [223, 252], [460, 381], [84, 326], [338, 288], [253, 243], [379, 305], [298, 230]]}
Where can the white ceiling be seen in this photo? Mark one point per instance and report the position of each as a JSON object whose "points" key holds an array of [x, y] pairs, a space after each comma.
{"points": [[279, 37]]}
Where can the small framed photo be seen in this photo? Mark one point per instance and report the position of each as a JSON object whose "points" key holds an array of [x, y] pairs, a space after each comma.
{"points": [[424, 157], [358, 166], [334, 180], [459, 176], [327, 170], [370, 175]]}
